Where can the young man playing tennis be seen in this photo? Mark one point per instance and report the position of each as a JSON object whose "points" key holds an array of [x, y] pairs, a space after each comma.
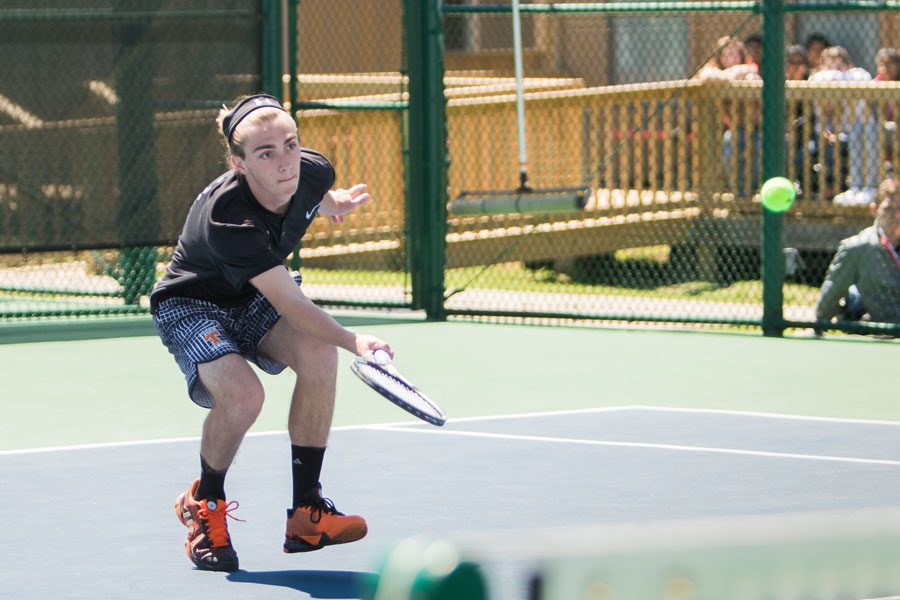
{"points": [[220, 305]]}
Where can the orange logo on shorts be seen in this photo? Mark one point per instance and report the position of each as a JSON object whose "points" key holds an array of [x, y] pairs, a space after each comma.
{"points": [[213, 338]]}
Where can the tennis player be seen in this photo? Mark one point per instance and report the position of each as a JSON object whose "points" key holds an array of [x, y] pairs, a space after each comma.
{"points": [[220, 304]]}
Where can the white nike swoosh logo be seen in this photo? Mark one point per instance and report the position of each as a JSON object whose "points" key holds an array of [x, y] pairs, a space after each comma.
{"points": [[312, 211]]}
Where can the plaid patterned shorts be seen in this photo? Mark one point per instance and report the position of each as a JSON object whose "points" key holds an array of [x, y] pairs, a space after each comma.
{"points": [[197, 331]]}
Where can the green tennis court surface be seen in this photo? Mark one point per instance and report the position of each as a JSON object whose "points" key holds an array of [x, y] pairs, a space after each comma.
{"points": [[29, 305], [552, 431]]}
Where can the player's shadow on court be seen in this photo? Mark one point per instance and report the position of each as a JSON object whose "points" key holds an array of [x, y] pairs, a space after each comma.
{"points": [[318, 584]]}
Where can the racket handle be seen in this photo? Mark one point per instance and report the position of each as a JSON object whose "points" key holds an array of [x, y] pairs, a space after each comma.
{"points": [[382, 357]]}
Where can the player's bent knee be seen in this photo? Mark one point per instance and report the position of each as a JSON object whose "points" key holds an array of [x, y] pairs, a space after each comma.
{"points": [[313, 358], [241, 402], [329, 358], [321, 359], [242, 413], [247, 410]]}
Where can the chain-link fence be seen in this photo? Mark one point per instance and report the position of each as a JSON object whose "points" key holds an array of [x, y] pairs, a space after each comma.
{"points": [[108, 116], [107, 120], [352, 97], [660, 113]]}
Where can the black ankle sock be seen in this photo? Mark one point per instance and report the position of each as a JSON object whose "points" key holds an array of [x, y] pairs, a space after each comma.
{"points": [[306, 465], [212, 482]]}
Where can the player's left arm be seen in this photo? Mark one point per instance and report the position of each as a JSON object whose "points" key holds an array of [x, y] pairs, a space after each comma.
{"points": [[338, 202]]}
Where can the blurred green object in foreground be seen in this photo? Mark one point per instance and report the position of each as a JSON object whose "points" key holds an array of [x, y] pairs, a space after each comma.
{"points": [[826, 556], [419, 569]]}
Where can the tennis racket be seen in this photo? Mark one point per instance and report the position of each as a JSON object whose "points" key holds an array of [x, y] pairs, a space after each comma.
{"points": [[382, 376]]}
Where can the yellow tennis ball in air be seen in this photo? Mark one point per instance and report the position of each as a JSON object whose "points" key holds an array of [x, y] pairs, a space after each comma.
{"points": [[778, 193]]}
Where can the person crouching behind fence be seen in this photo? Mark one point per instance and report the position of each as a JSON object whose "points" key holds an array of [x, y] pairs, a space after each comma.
{"points": [[865, 271], [220, 306]]}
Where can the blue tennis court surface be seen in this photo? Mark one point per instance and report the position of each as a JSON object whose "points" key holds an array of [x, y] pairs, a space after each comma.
{"points": [[107, 528]]}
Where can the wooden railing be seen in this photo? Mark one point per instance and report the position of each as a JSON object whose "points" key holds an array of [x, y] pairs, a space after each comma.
{"points": [[661, 163], [665, 137], [653, 153]]}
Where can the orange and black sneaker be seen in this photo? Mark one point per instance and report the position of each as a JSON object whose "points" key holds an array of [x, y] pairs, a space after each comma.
{"points": [[316, 523], [208, 544]]}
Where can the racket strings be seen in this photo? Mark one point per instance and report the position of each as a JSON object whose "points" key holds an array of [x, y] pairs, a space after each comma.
{"points": [[398, 388], [389, 382], [395, 388]]}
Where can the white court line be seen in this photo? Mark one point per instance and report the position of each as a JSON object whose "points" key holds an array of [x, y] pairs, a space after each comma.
{"points": [[339, 428], [767, 415], [552, 413], [535, 438], [545, 413], [642, 407], [109, 445], [173, 440]]}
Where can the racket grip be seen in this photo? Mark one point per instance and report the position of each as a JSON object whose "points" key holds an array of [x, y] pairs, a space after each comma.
{"points": [[382, 357]]}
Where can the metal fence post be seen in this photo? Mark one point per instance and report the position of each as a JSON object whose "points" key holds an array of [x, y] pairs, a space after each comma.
{"points": [[138, 206], [773, 128], [427, 191], [290, 80], [272, 68]]}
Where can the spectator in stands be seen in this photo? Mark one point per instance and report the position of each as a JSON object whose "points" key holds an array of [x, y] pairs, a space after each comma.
{"points": [[865, 271], [729, 63], [815, 44], [854, 125], [796, 65], [753, 44], [887, 68], [796, 68], [887, 65]]}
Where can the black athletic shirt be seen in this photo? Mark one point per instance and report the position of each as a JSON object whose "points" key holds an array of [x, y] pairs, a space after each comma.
{"points": [[229, 237]]}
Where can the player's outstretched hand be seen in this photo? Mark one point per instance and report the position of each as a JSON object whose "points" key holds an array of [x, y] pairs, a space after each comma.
{"points": [[338, 202]]}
